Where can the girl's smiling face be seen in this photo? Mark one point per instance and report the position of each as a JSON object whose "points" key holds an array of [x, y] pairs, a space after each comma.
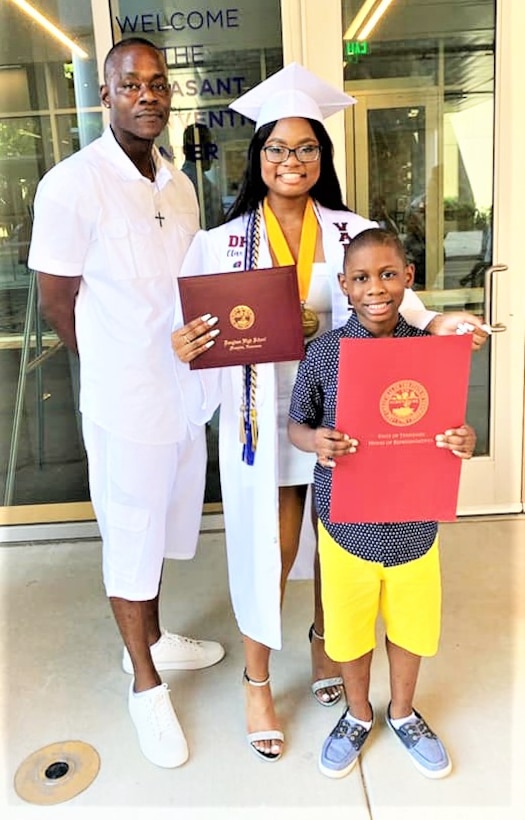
{"points": [[290, 178]]}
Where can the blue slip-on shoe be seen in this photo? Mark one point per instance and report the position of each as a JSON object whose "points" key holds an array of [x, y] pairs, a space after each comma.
{"points": [[342, 746], [427, 752]]}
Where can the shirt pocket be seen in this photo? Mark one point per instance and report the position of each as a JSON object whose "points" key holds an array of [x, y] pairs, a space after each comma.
{"points": [[128, 249]]}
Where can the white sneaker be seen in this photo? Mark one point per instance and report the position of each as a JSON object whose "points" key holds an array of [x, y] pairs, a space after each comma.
{"points": [[176, 652], [161, 738]]}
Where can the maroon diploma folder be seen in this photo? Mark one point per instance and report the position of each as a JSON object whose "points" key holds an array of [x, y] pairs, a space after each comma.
{"points": [[259, 315], [394, 396]]}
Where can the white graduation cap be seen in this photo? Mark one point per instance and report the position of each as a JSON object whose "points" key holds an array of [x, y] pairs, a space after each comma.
{"points": [[291, 92]]}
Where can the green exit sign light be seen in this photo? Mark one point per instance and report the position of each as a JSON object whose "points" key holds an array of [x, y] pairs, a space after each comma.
{"points": [[355, 48]]}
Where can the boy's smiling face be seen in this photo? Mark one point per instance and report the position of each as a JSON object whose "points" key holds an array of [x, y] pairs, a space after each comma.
{"points": [[374, 279]]}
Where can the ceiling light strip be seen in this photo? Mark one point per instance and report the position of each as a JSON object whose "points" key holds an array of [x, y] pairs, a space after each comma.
{"points": [[358, 20], [373, 20], [50, 27]]}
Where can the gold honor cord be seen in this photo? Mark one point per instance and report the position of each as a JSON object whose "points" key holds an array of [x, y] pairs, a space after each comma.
{"points": [[283, 255]]}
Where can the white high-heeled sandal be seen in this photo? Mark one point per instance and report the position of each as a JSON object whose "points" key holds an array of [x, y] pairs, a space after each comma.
{"points": [[325, 683], [268, 734]]}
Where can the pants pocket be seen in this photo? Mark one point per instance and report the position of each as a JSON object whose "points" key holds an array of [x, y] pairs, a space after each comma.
{"points": [[127, 531]]}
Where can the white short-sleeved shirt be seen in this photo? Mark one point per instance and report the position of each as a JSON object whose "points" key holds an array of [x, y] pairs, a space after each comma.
{"points": [[95, 218]]}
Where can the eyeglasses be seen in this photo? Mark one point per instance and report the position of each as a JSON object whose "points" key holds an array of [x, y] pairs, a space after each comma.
{"points": [[132, 88], [280, 153]]}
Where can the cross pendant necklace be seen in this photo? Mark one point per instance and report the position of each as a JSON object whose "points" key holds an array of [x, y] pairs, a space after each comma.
{"points": [[158, 215]]}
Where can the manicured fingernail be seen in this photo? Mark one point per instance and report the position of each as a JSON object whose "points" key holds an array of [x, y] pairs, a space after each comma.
{"points": [[205, 317], [214, 332], [212, 321], [210, 343], [440, 443]]}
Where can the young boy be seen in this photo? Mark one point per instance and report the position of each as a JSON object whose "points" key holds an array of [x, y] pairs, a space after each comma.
{"points": [[371, 568]]}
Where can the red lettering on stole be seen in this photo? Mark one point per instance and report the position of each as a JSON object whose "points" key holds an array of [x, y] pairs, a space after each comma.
{"points": [[344, 236], [236, 241]]}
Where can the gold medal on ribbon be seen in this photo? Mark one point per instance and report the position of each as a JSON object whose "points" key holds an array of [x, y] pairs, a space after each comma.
{"points": [[304, 263], [310, 321]]}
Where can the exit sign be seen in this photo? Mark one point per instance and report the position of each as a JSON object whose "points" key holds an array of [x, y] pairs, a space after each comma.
{"points": [[355, 48]]}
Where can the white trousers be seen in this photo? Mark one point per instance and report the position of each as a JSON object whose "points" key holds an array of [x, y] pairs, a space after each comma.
{"points": [[148, 502]]}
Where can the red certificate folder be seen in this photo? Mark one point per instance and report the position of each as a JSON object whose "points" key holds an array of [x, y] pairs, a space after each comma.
{"points": [[394, 396], [259, 314]]}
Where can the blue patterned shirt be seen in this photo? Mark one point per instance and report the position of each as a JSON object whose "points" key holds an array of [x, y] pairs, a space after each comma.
{"points": [[313, 403]]}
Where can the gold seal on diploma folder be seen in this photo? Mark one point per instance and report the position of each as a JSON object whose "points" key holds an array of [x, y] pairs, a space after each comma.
{"points": [[57, 773]]}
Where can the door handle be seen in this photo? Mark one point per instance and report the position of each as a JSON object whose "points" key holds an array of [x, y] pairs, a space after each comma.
{"points": [[491, 270]]}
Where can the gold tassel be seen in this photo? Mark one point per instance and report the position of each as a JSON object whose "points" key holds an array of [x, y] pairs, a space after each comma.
{"points": [[254, 428], [242, 428]]}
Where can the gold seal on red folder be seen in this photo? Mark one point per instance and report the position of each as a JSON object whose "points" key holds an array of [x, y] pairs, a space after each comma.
{"points": [[404, 403]]}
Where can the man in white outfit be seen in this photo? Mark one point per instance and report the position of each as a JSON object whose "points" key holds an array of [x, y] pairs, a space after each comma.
{"points": [[112, 224]]}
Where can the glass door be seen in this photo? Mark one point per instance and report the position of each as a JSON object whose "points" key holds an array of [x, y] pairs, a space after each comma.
{"points": [[424, 170], [50, 108], [396, 140]]}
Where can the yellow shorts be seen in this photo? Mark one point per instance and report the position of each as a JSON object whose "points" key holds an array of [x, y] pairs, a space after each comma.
{"points": [[355, 591]]}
